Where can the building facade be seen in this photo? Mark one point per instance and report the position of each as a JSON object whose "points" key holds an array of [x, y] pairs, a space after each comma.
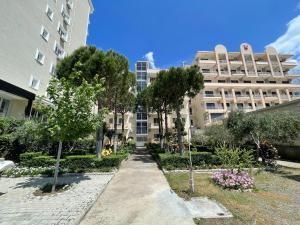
{"points": [[242, 80], [34, 36]]}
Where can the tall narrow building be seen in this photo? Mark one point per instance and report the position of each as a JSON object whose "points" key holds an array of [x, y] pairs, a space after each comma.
{"points": [[34, 36], [242, 80]]}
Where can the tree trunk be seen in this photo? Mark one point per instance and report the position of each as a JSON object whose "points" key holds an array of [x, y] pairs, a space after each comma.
{"points": [[99, 134], [123, 129], [178, 123], [56, 166], [159, 127], [166, 120], [162, 130], [115, 131]]}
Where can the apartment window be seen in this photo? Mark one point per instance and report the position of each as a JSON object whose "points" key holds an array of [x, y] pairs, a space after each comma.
{"points": [[141, 128], [210, 105], [191, 111], [272, 82], [111, 121], [141, 66], [141, 75], [49, 12], [39, 57], [155, 121], [238, 93], [65, 15], [260, 82], [52, 69], [141, 85], [45, 34], [228, 105], [141, 116], [192, 123], [207, 81], [221, 81], [34, 83], [268, 104], [58, 51], [234, 81], [120, 121], [62, 32], [69, 4], [285, 82], [4, 106], [156, 136], [240, 105]]}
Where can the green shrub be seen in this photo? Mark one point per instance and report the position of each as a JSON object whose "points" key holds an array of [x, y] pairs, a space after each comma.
{"points": [[232, 158], [110, 161], [79, 162], [199, 160], [26, 158], [42, 161]]}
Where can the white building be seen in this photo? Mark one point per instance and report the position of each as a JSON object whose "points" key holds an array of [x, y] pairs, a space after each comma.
{"points": [[34, 35]]}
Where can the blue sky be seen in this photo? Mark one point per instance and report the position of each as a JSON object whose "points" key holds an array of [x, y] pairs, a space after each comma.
{"points": [[175, 29]]}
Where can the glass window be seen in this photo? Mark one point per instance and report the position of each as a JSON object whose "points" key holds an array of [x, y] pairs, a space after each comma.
{"points": [[141, 76], [141, 116], [141, 128], [141, 85], [4, 106]]}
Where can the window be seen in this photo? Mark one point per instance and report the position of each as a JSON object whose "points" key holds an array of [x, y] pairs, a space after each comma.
{"points": [[59, 51], [192, 123], [234, 81], [210, 105], [4, 105], [34, 83], [39, 57], [221, 81], [240, 105], [120, 121], [111, 120], [62, 32], [156, 136], [49, 12], [285, 82], [141, 66], [207, 81], [45, 34], [141, 116], [141, 85], [141, 75], [65, 15], [141, 128], [191, 111], [69, 4], [272, 82], [155, 121], [260, 82], [52, 69]]}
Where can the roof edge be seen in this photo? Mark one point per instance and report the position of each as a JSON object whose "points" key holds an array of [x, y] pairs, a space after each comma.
{"points": [[92, 6]]}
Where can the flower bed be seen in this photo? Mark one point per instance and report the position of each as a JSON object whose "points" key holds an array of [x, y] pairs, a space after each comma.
{"points": [[233, 179]]}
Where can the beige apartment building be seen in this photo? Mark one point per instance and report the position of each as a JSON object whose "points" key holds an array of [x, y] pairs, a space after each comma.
{"points": [[242, 80], [34, 36]]}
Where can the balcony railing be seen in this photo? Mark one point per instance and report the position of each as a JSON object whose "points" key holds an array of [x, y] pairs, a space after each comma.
{"points": [[271, 95], [212, 95], [214, 107], [242, 96], [238, 73], [277, 74], [264, 74]]}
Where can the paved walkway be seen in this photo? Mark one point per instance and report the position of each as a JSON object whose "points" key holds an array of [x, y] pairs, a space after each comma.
{"points": [[19, 206], [139, 194], [288, 164]]}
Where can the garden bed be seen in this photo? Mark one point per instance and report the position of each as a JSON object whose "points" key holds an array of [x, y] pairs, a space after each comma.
{"points": [[275, 199], [46, 189]]}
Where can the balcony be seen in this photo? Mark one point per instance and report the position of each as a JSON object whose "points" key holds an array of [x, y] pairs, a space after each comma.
{"points": [[238, 73], [295, 96], [242, 96], [65, 15], [210, 73], [277, 74], [264, 74], [256, 96], [70, 4], [271, 96], [216, 107], [212, 95]]}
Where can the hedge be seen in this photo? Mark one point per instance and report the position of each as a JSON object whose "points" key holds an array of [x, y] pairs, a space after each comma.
{"points": [[199, 159], [42, 161], [26, 158]]}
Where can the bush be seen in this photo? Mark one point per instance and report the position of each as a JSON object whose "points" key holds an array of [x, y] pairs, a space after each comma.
{"points": [[199, 160], [233, 180], [110, 161], [42, 161], [79, 162], [25, 171], [26, 158], [235, 158]]}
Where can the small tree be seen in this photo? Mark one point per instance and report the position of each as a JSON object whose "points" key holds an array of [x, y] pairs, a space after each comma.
{"points": [[264, 130], [71, 114], [183, 82]]}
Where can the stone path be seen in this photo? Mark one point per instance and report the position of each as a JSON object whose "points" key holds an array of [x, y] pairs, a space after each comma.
{"points": [[288, 164], [18, 205], [139, 194]]}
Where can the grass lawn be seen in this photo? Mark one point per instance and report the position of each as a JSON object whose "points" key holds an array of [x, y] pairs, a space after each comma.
{"points": [[275, 201]]}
